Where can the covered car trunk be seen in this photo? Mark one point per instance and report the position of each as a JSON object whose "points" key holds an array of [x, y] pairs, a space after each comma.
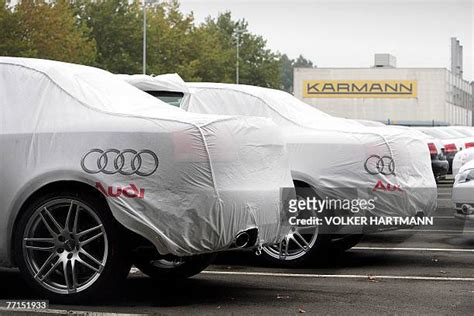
{"points": [[388, 165], [236, 185]]}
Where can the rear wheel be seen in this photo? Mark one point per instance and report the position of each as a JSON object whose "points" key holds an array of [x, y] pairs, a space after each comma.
{"points": [[172, 268], [68, 247], [303, 243]]}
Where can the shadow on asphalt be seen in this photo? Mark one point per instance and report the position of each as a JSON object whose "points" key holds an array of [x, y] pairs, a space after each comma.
{"points": [[140, 291], [330, 263]]}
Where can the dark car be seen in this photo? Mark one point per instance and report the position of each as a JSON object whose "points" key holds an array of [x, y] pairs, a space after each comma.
{"points": [[438, 162]]}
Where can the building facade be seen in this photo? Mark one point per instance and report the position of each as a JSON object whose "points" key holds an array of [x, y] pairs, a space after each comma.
{"points": [[406, 96]]}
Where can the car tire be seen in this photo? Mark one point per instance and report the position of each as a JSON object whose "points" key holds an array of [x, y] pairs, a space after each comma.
{"points": [[69, 248], [174, 268], [315, 243]]}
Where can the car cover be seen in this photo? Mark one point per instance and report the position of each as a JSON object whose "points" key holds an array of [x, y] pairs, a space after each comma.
{"points": [[166, 82], [461, 158], [338, 157], [187, 182], [390, 163]]}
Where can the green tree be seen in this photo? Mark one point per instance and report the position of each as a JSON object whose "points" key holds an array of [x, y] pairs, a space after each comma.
{"points": [[287, 68], [116, 27], [302, 62], [109, 34], [45, 30], [258, 64], [213, 43], [12, 43], [286, 65], [171, 47]]}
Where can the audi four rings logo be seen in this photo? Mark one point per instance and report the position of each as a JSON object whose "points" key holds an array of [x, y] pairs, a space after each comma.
{"points": [[126, 162], [380, 165]]}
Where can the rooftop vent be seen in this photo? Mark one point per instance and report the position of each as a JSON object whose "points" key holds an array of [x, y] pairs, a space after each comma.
{"points": [[385, 61]]}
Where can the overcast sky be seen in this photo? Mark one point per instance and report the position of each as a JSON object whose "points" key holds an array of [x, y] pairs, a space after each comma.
{"points": [[347, 33]]}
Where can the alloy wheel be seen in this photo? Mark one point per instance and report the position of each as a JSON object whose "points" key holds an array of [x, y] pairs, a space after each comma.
{"points": [[298, 242], [65, 246]]}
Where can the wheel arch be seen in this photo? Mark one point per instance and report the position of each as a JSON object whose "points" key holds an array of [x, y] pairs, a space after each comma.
{"points": [[50, 183], [35, 192], [302, 180]]}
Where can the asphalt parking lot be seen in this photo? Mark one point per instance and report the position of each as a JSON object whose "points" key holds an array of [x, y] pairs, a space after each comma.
{"points": [[424, 270]]}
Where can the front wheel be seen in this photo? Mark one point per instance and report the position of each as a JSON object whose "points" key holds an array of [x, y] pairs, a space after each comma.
{"points": [[172, 268], [67, 246]]}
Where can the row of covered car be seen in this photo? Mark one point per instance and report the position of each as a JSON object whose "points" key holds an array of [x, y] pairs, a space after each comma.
{"points": [[451, 140], [452, 152], [102, 171], [451, 149]]}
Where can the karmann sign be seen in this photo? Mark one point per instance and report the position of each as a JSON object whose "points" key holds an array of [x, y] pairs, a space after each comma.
{"points": [[359, 89]]}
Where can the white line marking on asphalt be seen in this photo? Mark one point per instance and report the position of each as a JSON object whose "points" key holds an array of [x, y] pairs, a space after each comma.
{"points": [[415, 249], [61, 312], [437, 231], [340, 276]]}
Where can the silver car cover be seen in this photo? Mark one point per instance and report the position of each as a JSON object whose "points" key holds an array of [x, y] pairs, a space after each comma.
{"points": [[339, 158], [187, 182]]}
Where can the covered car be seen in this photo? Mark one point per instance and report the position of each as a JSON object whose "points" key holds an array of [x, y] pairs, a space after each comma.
{"points": [[461, 158], [94, 170], [370, 123], [463, 189], [330, 158], [467, 131], [439, 163], [452, 141]]}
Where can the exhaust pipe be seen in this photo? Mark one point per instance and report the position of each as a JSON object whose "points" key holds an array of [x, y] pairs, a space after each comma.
{"points": [[242, 239], [467, 209]]}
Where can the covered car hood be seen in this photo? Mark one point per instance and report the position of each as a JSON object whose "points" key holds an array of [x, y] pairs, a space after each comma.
{"points": [[187, 182]]}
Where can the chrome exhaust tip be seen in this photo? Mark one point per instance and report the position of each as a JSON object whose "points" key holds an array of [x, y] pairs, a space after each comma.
{"points": [[467, 209], [241, 240]]}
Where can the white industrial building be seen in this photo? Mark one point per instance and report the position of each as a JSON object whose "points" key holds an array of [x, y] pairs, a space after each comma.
{"points": [[406, 96]]}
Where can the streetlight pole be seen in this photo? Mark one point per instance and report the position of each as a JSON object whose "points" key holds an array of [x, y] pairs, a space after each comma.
{"points": [[145, 2], [144, 36], [237, 62], [237, 37]]}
